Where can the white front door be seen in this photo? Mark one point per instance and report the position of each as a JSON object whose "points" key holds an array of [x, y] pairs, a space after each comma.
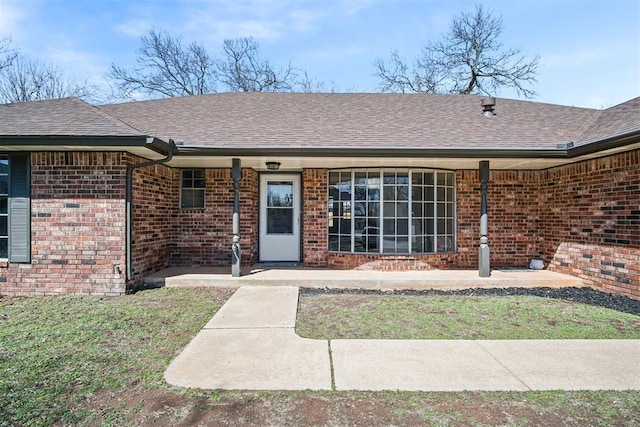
{"points": [[279, 217]]}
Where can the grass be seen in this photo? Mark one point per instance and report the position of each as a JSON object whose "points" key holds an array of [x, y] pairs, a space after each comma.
{"points": [[458, 317], [58, 352], [100, 361]]}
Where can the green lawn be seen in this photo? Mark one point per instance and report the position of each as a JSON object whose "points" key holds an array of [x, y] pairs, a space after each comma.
{"points": [[57, 353], [352, 316], [100, 361]]}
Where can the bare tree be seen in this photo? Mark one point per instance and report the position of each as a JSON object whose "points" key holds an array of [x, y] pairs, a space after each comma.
{"points": [[469, 59], [242, 69], [166, 68], [7, 53], [25, 79], [307, 84]]}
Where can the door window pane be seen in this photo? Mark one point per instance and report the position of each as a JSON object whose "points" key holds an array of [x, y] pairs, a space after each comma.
{"points": [[280, 194], [280, 207], [279, 221]]}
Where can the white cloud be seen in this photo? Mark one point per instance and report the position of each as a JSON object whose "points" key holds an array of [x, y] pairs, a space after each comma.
{"points": [[134, 28], [305, 20], [253, 7], [205, 29], [255, 28], [77, 62], [353, 7], [261, 19], [10, 17]]}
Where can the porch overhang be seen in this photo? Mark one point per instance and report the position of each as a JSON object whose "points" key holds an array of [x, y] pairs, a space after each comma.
{"points": [[142, 145], [297, 158]]}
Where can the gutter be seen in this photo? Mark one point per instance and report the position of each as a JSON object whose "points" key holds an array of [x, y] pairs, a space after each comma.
{"points": [[370, 152], [56, 141], [561, 151], [129, 218], [612, 142]]}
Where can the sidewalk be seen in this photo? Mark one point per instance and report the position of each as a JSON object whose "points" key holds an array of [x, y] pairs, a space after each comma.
{"points": [[251, 344]]}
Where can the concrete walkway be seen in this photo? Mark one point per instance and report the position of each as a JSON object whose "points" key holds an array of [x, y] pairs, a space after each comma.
{"points": [[251, 344]]}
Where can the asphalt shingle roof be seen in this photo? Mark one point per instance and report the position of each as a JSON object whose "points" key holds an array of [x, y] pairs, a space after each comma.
{"points": [[298, 120], [614, 121], [60, 117], [355, 120]]}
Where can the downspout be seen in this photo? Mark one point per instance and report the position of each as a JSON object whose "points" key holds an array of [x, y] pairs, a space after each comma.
{"points": [[129, 197]]}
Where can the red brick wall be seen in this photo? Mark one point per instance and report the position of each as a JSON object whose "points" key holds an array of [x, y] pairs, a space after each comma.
{"points": [[513, 221], [202, 237], [314, 217], [77, 227], [590, 221], [154, 201], [513, 217]]}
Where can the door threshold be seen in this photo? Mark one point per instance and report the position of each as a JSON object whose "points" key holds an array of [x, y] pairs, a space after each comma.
{"points": [[278, 264]]}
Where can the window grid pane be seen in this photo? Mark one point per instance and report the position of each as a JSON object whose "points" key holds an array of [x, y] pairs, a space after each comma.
{"points": [[340, 211], [417, 215], [192, 189]]}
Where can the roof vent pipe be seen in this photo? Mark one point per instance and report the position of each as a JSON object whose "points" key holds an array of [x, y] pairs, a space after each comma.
{"points": [[487, 106]]}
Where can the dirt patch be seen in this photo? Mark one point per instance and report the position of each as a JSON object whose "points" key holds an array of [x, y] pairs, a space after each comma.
{"points": [[232, 408]]}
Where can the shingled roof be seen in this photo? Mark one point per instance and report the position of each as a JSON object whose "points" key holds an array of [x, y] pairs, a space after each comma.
{"points": [[616, 121], [295, 120], [60, 117], [325, 121]]}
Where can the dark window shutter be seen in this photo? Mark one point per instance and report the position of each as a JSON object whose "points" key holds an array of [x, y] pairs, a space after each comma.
{"points": [[19, 208]]}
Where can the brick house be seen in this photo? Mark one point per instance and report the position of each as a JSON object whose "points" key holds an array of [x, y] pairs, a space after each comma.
{"points": [[92, 199]]}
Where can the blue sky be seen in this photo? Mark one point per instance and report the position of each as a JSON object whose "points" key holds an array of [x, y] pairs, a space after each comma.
{"points": [[589, 49]]}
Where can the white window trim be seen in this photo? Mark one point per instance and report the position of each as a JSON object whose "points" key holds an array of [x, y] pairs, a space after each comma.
{"points": [[453, 233]]}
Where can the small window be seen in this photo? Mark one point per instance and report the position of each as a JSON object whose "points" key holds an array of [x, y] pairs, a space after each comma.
{"points": [[192, 189]]}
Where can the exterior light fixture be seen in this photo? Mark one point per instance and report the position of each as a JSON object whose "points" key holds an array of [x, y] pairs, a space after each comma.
{"points": [[273, 166]]}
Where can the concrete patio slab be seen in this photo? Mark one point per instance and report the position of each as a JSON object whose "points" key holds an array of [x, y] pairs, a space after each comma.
{"points": [[418, 365], [360, 279], [252, 359], [258, 307], [571, 364]]}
